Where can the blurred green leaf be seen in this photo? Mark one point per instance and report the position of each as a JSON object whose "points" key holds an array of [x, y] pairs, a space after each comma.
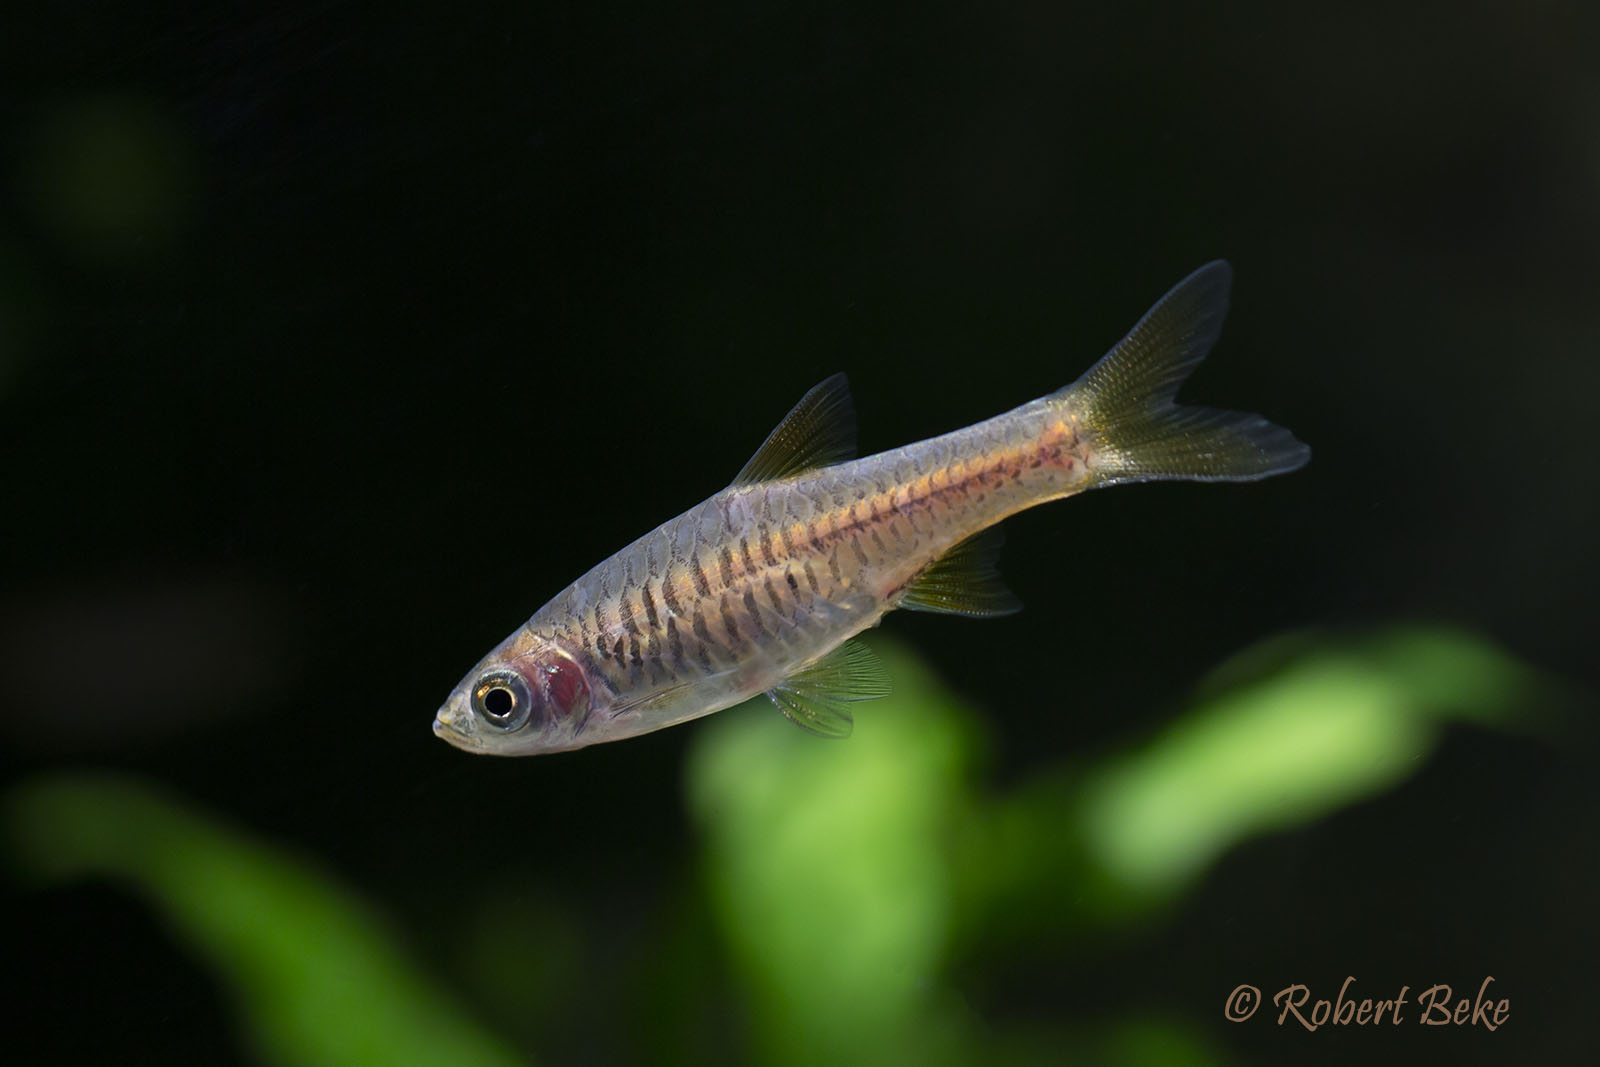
{"points": [[1333, 723], [828, 870], [316, 977], [842, 872], [1284, 734]]}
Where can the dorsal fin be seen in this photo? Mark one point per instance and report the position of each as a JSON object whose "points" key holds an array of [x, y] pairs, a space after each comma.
{"points": [[964, 581], [817, 698], [817, 432]]}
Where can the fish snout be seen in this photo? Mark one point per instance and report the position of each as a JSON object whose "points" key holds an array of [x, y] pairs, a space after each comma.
{"points": [[454, 725]]}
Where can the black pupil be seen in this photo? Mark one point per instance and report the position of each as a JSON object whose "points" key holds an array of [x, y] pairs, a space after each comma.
{"points": [[498, 702]]}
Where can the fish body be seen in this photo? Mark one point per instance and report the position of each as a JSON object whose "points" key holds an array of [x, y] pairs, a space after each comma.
{"points": [[761, 588]]}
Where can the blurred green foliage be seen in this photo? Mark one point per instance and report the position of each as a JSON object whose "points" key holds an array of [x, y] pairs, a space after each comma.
{"points": [[317, 979], [847, 877], [1322, 725], [844, 880], [830, 869]]}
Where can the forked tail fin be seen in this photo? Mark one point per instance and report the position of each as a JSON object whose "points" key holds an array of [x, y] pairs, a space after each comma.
{"points": [[1128, 400]]}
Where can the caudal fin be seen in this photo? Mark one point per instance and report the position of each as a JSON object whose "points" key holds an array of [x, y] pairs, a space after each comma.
{"points": [[1128, 399]]}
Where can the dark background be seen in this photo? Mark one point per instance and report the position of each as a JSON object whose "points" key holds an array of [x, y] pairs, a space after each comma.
{"points": [[333, 341]]}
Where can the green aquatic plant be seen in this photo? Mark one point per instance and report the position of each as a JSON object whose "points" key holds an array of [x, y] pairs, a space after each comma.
{"points": [[843, 886], [830, 874], [846, 877], [1287, 734], [315, 977]]}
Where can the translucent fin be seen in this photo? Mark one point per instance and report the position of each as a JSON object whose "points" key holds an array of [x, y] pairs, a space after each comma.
{"points": [[964, 581], [816, 698], [819, 431], [1128, 399]]}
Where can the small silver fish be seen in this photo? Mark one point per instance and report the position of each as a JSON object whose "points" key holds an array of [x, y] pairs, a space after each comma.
{"points": [[762, 588]]}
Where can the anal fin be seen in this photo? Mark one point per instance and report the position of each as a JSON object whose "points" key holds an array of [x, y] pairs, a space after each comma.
{"points": [[817, 697], [964, 581]]}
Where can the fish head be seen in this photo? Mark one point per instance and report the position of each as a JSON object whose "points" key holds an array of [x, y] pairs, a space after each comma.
{"points": [[529, 695]]}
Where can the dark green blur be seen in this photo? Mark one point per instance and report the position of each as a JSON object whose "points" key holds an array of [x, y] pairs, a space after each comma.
{"points": [[314, 975]]}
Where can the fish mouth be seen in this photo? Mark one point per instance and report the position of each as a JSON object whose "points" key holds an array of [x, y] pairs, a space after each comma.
{"points": [[446, 726]]}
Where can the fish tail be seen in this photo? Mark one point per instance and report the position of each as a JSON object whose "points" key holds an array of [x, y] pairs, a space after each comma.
{"points": [[1127, 400]]}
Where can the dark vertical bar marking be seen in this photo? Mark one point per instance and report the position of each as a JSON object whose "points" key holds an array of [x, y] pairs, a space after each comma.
{"points": [[755, 616], [605, 680], [670, 595], [674, 644], [701, 584], [649, 606], [728, 624], [699, 626]]}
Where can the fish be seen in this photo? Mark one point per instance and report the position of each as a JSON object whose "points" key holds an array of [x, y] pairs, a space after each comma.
{"points": [[764, 587]]}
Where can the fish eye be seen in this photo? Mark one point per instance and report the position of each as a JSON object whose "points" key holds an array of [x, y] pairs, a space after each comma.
{"points": [[502, 699]]}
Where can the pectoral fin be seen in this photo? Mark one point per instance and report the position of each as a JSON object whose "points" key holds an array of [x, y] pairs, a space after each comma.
{"points": [[964, 581], [817, 697], [818, 432]]}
